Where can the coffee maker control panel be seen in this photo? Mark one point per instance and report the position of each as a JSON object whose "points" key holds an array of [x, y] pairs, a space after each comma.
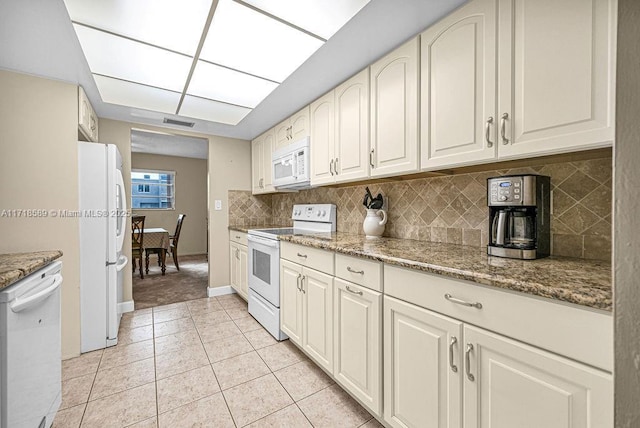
{"points": [[512, 191]]}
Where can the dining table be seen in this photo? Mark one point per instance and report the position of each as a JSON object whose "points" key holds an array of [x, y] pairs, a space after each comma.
{"points": [[157, 238]]}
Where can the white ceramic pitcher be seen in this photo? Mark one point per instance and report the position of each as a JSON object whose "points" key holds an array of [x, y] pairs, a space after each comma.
{"points": [[373, 226]]}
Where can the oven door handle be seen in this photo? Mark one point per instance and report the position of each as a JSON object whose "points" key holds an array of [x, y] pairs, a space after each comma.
{"points": [[271, 243]]}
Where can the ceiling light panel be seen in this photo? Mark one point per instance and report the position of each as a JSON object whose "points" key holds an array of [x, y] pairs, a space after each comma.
{"points": [[250, 41], [176, 25], [323, 18], [129, 94], [219, 83], [200, 108], [125, 59]]}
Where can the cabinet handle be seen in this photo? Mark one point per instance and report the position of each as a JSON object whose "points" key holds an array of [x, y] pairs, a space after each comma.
{"points": [[359, 293], [298, 282], [237, 236], [359, 272], [467, 359], [237, 254], [503, 126], [371, 158], [331, 167], [454, 368], [452, 299], [302, 255], [302, 284], [335, 166], [487, 130], [93, 124]]}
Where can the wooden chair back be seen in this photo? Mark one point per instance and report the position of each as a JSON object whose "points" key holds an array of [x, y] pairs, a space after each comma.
{"points": [[176, 235], [137, 231]]}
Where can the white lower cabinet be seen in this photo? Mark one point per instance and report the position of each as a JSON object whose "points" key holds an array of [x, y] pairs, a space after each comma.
{"points": [[441, 372], [239, 257], [306, 310], [357, 333]]}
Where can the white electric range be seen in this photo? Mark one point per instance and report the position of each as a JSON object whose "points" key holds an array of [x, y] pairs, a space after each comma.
{"points": [[264, 260]]}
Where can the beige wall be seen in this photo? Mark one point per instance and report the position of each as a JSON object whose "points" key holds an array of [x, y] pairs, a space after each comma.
{"points": [[229, 169], [191, 199], [38, 170]]}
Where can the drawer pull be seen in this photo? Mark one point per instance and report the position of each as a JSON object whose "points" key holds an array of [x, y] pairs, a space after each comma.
{"points": [[237, 236], [302, 284], [359, 293], [302, 255], [298, 282], [359, 272], [454, 368], [467, 359], [452, 299]]}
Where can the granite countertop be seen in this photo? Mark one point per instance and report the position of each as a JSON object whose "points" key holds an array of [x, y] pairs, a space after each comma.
{"points": [[18, 265], [578, 281]]}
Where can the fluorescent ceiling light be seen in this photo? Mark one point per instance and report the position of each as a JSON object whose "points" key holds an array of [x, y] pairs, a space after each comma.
{"points": [[250, 41], [214, 111], [129, 94], [323, 18], [219, 83], [175, 25], [122, 58]]}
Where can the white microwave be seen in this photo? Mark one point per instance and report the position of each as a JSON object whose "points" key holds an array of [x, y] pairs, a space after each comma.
{"points": [[290, 166]]}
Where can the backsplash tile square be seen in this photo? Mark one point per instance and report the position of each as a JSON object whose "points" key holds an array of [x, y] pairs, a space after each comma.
{"points": [[454, 209]]}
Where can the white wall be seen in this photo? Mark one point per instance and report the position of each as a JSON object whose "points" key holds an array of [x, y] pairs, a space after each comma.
{"points": [[39, 170]]}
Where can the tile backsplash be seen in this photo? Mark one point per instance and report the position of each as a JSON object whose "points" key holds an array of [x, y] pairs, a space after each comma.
{"points": [[454, 209]]}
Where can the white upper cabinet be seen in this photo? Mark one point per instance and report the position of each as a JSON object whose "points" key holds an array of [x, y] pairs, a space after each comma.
{"points": [[352, 128], [557, 75], [458, 86], [261, 169], [322, 140], [87, 117], [340, 133], [394, 112], [292, 129]]}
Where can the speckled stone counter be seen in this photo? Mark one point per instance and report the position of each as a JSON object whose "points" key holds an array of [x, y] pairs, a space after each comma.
{"points": [[18, 265]]}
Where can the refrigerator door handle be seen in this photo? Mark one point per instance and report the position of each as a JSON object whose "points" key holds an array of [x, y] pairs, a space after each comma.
{"points": [[121, 215], [122, 262]]}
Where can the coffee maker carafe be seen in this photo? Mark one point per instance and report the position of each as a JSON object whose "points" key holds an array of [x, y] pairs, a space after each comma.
{"points": [[519, 216]]}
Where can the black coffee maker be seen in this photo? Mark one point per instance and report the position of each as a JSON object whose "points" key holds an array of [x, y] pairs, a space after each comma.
{"points": [[519, 217]]}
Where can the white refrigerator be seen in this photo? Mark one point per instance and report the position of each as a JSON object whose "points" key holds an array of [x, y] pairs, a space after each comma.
{"points": [[102, 216]]}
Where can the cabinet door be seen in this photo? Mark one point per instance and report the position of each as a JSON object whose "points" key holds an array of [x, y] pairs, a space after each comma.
{"points": [[557, 75], [516, 385], [257, 165], [282, 133], [268, 145], [352, 128], [300, 125], [317, 337], [243, 271], [458, 87], [357, 335], [233, 266], [394, 112], [291, 300], [422, 367], [322, 140]]}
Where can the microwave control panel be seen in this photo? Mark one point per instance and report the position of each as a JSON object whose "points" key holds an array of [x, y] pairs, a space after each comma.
{"points": [[517, 190]]}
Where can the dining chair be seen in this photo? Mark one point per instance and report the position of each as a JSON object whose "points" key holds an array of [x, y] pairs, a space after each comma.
{"points": [[173, 245], [137, 238]]}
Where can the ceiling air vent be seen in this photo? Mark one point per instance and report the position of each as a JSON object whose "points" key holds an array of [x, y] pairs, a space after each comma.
{"points": [[178, 122]]}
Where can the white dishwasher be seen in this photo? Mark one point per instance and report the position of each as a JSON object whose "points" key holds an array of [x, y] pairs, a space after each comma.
{"points": [[30, 353]]}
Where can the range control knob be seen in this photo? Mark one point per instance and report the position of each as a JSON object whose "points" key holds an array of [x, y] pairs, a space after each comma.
{"points": [[318, 213], [324, 213], [503, 198]]}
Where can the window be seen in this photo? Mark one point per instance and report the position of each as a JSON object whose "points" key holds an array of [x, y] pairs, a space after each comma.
{"points": [[153, 189]]}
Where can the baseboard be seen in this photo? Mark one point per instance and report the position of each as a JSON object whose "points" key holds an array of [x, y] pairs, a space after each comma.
{"points": [[220, 291], [125, 306]]}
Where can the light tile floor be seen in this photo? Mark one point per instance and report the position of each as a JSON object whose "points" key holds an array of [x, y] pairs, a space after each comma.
{"points": [[204, 363]]}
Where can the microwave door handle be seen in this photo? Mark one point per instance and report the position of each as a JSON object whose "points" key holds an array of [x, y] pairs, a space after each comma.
{"points": [[502, 217]]}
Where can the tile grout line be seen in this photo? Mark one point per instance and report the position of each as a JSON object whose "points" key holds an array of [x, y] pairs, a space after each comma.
{"points": [[155, 369]]}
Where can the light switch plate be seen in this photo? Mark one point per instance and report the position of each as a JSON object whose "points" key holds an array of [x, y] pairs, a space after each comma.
{"points": [[218, 205]]}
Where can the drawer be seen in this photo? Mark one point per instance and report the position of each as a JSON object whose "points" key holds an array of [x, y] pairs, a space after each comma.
{"points": [[367, 273], [314, 258], [239, 237], [582, 334]]}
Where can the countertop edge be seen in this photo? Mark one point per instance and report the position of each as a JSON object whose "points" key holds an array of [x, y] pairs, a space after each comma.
{"points": [[15, 266]]}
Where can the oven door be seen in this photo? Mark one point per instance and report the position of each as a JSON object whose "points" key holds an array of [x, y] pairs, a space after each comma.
{"points": [[264, 268]]}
